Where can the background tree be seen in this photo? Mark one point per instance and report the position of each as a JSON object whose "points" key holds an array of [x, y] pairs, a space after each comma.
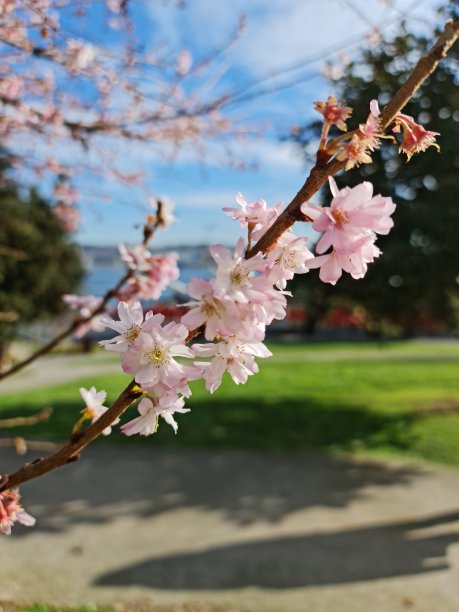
{"points": [[414, 286], [38, 263]]}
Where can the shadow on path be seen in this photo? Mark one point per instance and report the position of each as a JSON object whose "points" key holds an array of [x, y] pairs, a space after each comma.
{"points": [[370, 553], [246, 487]]}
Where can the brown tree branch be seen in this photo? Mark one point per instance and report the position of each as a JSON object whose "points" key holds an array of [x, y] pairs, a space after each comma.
{"points": [[317, 177]]}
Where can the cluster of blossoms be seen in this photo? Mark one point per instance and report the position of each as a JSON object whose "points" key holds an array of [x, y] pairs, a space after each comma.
{"points": [[148, 275], [355, 148], [151, 273], [86, 306], [233, 309], [57, 88], [349, 227]]}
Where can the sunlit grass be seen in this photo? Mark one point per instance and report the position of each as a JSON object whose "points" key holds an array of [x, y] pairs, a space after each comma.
{"points": [[402, 399]]}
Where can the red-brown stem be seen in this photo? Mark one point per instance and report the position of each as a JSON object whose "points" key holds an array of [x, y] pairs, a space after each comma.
{"points": [[317, 177], [323, 138]]}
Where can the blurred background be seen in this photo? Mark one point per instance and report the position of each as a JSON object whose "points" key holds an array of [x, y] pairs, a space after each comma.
{"points": [[329, 481]]}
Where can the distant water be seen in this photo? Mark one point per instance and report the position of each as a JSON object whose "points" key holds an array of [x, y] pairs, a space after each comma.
{"points": [[102, 278]]}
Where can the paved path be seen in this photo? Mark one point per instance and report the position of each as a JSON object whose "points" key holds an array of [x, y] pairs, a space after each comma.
{"points": [[55, 369], [259, 532]]}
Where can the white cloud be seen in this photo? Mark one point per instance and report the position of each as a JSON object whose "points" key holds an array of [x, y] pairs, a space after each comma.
{"points": [[280, 33]]}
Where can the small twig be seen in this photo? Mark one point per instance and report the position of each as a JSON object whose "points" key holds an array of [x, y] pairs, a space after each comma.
{"points": [[22, 446], [68, 331], [41, 416]]}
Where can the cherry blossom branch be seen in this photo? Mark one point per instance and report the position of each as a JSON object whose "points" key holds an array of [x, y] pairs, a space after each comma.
{"points": [[81, 131], [148, 234], [321, 171], [317, 177]]}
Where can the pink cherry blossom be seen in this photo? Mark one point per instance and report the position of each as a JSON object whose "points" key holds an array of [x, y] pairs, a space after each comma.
{"points": [[11, 511], [257, 216], [235, 277], [352, 214], [151, 357], [333, 112], [356, 151], [219, 315], [415, 137], [234, 355], [371, 129], [68, 215], [79, 55], [137, 257], [287, 258], [94, 406], [184, 63], [150, 409], [150, 283], [86, 305], [129, 326], [166, 207], [65, 193], [355, 263], [262, 312]]}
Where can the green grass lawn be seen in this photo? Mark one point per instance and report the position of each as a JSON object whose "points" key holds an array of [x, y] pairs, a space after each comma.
{"points": [[402, 399]]}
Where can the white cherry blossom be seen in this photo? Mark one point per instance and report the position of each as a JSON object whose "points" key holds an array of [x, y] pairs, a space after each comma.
{"points": [[151, 356], [128, 327], [150, 409]]}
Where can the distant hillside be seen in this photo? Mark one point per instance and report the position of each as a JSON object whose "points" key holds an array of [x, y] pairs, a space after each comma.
{"points": [[108, 257]]}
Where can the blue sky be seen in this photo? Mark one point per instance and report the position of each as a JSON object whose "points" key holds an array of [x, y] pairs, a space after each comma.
{"points": [[279, 34]]}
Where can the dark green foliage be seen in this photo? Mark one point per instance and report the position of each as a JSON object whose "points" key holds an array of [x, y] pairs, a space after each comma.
{"points": [[42, 266], [414, 285]]}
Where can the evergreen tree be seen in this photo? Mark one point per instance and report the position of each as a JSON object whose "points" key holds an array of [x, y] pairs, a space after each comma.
{"points": [[38, 262]]}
